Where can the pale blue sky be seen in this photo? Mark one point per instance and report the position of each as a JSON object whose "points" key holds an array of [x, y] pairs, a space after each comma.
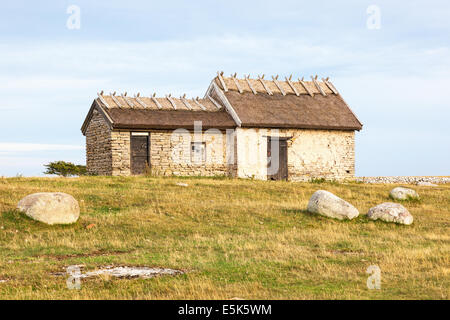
{"points": [[395, 78]]}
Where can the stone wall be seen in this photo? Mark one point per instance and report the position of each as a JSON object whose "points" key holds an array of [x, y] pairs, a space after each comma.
{"points": [[98, 146], [170, 154], [325, 154], [404, 179], [120, 146], [240, 153]]}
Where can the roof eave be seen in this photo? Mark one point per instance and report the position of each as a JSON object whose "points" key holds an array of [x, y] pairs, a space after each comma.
{"points": [[290, 126]]}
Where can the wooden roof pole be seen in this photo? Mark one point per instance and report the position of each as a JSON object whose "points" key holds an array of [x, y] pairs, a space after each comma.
{"points": [[288, 80], [247, 78], [218, 106], [330, 85], [236, 82], [156, 101], [222, 82], [124, 97], [186, 103], [261, 79], [275, 80], [142, 103], [116, 101], [169, 97], [199, 104], [306, 88], [100, 96], [318, 86]]}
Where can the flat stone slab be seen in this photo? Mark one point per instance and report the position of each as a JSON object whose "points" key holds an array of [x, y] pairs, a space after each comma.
{"points": [[126, 272], [182, 184]]}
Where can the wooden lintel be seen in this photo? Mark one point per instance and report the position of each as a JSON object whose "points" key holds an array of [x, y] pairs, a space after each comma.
{"points": [[264, 85], [218, 106], [318, 86], [103, 100], [236, 82], [275, 80], [292, 86], [306, 88], [250, 85], [222, 82], [172, 102]]}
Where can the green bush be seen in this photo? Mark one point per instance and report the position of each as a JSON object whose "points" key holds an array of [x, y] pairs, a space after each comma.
{"points": [[65, 169]]}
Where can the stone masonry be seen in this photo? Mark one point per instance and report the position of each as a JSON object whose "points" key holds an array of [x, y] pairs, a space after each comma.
{"points": [[325, 154], [170, 153], [98, 146], [240, 153]]}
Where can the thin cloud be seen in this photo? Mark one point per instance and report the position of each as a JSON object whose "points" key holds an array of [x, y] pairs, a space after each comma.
{"points": [[10, 147]]}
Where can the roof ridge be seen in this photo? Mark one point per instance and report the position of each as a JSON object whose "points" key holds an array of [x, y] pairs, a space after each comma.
{"points": [[152, 102], [276, 85]]}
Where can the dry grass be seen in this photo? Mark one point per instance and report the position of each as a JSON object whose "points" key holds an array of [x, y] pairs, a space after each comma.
{"points": [[235, 238]]}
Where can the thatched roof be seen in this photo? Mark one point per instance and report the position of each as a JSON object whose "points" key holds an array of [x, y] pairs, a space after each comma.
{"points": [[231, 102], [290, 111], [122, 112], [287, 103], [169, 119]]}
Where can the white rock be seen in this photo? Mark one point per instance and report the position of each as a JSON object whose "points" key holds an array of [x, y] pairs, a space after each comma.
{"points": [[181, 184], [401, 193], [426, 184], [128, 272], [327, 204], [50, 207], [390, 212]]}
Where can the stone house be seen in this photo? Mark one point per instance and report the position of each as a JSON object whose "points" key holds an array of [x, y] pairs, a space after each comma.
{"points": [[249, 128]]}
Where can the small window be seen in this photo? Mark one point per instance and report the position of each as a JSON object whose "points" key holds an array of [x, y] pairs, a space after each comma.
{"points": [[198, 152]]}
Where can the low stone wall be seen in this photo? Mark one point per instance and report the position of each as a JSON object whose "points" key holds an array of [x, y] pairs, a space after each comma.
{"points": [[404, 179]]}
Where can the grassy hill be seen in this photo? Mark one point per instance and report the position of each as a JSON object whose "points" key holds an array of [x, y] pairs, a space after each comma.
{"points": [[234, 238]]}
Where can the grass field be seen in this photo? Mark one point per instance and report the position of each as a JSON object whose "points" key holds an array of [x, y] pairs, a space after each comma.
{"points": [[234, 238]]}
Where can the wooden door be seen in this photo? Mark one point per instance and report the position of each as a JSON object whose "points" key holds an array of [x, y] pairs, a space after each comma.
{"points": [[279, 161], [283, 170], [139, 154]]}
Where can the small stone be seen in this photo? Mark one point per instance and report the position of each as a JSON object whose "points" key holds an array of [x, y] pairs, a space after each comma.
{"points": [[390, 212], [401, 193], [92, 225], [181, 184], [327, 204]]}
